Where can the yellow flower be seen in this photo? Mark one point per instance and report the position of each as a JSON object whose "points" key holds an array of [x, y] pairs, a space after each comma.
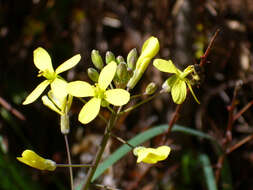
{"points": [[90, 110], [34, 160], [176, 84], [151, 155], [43, 62]]}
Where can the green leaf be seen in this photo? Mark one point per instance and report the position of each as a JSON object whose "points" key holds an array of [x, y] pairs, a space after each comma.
{"points": [[139, 139], [208, 172]]}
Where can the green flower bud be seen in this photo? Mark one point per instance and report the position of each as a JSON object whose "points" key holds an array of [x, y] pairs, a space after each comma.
{"points": [[93, 74], [120, 59], [109, 56], [132, 58], [151, 88], [97, 59], [149, 50], [122, 71]]}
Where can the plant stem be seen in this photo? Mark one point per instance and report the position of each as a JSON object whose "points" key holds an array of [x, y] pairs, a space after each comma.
{"points": [[69, 161], [74, 165], [101, 149], [122, 140], [139, 104]]}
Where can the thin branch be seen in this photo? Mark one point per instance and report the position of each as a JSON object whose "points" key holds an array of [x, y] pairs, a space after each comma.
{"points": [[69, 161], [204, 57], [122, 140], [139, 104], [9, 108], [106, 187], [73, 165], [231, 113], [244, 109], [240, 143]]}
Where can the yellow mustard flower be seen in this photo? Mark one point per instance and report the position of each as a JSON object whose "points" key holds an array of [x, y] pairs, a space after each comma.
{"points": [[90, 110], [32, 159], [43, 62], [176, 84], [151, 155]]}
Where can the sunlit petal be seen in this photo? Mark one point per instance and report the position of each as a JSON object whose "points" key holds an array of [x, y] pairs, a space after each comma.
{"points": [[106, 75], [190, 87], [89, 111], [166, 66], [68, 64], [80, 89], [42, 60], [32, 159], [59, 89], [117, 97], [47, 102], [36, 92], [151, 155], [179, 91]]}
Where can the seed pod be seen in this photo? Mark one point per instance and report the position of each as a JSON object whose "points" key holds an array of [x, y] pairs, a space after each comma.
{"points": [[151, 88], [65, 124], [132, 58], [93, 74], [97, 59], [109, 56]]}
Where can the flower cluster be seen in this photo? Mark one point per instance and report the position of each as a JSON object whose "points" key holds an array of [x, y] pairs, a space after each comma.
{"points": [[113, 81]]}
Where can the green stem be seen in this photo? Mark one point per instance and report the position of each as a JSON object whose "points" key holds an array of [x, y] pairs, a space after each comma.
{"points": [[101, 149], [73, 165], [139, 104], [122, 140], [69, 161], [136, 96], [110, 109]]}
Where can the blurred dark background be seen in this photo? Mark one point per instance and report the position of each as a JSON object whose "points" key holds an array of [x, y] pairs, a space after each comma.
{"points": [[184, 29]]}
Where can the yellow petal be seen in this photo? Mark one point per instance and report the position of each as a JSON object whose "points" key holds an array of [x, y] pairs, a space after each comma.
{"points": [[190, 87], [42, 60], [151, 155], [47, 102], [36, 92], [59, 92], [34, 160], [166, 66], [68, 64], [80, 89], [179, 91], [89, 111], [106, 75], [117, 97]]}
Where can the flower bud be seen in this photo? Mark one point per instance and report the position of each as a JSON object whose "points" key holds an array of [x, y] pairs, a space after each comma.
{"points": [[132, 58], [97, 59], [149, 50], [109, 56], [122, 71], [120, 59], [93, 74], [151, 88]]}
